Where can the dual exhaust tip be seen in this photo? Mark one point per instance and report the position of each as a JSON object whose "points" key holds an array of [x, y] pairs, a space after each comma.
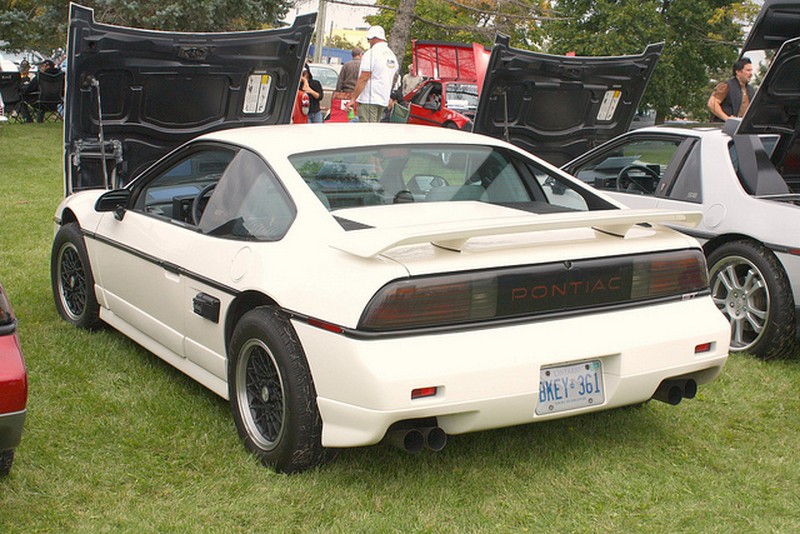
{"points": [[413, 440], [673, 390]]}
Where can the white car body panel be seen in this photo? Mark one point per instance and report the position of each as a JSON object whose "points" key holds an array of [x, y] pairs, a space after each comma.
{"points": [[358, 406]]}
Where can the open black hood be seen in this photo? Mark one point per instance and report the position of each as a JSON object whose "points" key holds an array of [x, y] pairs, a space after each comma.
{"points": [[778, 21], [159, 89], [558, 107]]}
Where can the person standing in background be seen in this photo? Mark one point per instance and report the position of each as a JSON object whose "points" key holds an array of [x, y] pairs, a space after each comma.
{"points": [[313, 88], [732, 97], [349, 73], [376, 77], [411, 80]]}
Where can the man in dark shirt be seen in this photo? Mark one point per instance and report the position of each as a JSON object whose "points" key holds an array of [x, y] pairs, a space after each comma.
{"points": [[349, 73], [732, 97]]}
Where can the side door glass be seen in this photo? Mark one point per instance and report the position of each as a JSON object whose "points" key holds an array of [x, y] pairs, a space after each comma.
{"points": [[635, 168], [248, 202], [181, 190]]}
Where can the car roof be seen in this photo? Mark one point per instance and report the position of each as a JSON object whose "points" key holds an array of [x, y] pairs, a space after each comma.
{"points": [[286, 140]]}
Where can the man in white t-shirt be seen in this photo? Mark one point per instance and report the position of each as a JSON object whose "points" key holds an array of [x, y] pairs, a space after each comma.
{"points": [[375, 78]]}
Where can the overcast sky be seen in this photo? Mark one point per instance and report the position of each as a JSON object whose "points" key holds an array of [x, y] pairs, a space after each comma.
{"points": [[337, 15]]}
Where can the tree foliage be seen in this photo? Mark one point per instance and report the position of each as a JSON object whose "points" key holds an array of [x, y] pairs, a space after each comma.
{"points": [[42, 24], [702, 39], [462, 21]]}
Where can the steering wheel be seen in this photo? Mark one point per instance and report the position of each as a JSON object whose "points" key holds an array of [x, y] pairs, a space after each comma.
{"points": [[198, 205], [624, 178]]}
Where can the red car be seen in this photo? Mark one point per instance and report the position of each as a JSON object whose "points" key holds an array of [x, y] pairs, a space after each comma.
{"points": [[447, 104], [13, 385], [454, 74]]}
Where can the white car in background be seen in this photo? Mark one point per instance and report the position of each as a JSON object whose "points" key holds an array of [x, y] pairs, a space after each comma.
{"points": [[745, 178]]}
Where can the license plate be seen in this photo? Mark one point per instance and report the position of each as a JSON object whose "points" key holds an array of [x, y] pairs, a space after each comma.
{"points": [[566, 387]]}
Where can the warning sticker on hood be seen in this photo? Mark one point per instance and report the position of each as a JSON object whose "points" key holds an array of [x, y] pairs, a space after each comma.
{"points": [[257, 92], [609, 105]]}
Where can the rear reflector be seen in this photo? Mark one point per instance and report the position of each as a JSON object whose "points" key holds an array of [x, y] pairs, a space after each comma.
{"points": [[702, 347], [325, 326], [423, 392]]}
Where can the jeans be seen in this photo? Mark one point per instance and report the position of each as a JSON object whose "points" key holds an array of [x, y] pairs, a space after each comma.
{"points": [[315, 117]]}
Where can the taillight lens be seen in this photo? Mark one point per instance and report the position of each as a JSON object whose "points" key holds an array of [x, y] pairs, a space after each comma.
{"points": [[534, 290], [670, 273], [432, 301]]}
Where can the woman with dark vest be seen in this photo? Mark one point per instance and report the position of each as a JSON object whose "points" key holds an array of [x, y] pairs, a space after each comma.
{"points": [[731, 97]]}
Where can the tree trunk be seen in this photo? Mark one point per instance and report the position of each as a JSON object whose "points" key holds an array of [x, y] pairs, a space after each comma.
{"points": [[401, 30]]}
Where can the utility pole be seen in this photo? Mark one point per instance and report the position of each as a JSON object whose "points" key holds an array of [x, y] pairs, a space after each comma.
{"points": [[319, 40]]}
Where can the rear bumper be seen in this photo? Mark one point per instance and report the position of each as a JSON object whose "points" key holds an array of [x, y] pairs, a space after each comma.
{"points": [[489, 378], [11, 429]]}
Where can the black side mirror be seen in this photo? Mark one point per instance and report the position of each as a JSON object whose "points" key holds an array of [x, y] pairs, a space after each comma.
{"points": [[116, 201]]}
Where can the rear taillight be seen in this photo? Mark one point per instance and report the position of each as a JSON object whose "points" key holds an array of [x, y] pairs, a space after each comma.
{"points": [[669, 273], [535, 290], [432, 301]]}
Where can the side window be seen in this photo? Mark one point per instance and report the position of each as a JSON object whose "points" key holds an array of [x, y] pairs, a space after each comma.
{"points": [[172, 194], [688, 184], [422, 95], [635, 167], [248, 202]]}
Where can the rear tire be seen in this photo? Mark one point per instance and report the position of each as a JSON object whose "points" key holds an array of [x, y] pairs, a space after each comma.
{"points": [[72, 279], [272, 395], [749, 286]]}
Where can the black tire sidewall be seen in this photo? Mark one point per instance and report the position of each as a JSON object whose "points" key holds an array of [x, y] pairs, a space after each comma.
{"points": [[70, 234], [299, 447], [777, 339]]}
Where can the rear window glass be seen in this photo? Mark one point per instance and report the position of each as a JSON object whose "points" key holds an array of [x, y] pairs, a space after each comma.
{"points": [[438, 173]]}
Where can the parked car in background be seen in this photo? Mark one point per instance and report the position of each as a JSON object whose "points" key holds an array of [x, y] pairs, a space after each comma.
{"points": [[13, 385], [448, 96], [327, 74], [447, 104], [745, 178]]}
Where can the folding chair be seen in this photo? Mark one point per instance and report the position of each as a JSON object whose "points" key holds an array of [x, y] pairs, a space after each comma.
{"points": [[11, 89], [51, 97]]}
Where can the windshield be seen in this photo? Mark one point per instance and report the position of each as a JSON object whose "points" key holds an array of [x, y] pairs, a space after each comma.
{"points": [[438, 173]]}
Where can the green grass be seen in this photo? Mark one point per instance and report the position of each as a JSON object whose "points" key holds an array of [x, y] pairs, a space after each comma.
{"points": [[116, 440]]}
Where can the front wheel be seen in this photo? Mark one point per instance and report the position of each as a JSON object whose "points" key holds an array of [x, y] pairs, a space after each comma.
{"points": [[749, 286], [272, 395], [72, 280]]}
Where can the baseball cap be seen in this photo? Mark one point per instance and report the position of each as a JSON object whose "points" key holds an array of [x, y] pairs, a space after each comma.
{"points": [[376, 32]]}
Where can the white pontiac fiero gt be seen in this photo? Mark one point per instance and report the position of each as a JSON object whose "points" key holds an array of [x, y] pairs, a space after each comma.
{"points": [[388, 277], [342, 283]]}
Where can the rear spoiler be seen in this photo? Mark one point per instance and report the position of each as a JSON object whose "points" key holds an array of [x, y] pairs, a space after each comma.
{"points": [[454, 235]]}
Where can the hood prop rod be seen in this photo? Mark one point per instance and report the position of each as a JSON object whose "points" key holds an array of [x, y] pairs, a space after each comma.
{"points": [[101, 136], [506, 136]]}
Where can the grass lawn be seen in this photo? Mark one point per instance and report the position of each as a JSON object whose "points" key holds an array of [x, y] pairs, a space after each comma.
{"points": [[118, 440]]}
